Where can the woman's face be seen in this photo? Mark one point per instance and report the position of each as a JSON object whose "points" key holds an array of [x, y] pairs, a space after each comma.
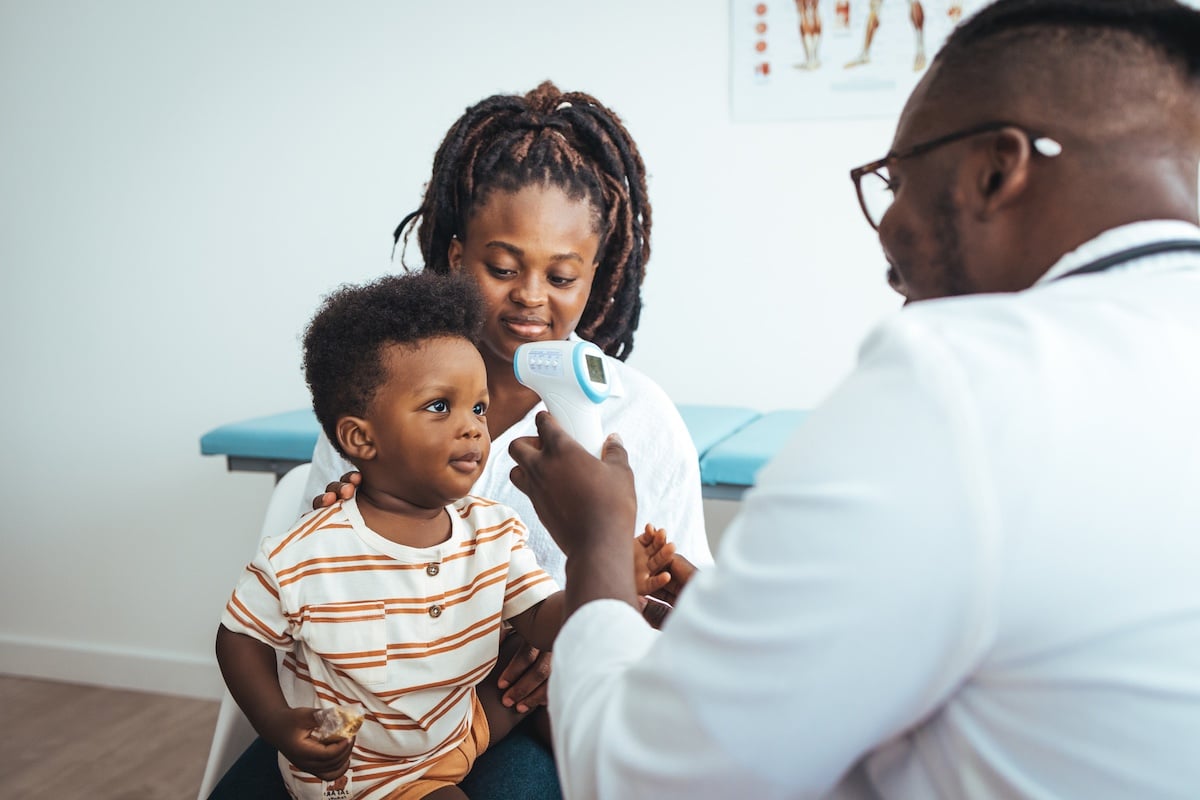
{"points": [[533, 254]]}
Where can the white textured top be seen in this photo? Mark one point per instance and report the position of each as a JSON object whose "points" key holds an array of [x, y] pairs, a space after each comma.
{"points": [[974, 572]]}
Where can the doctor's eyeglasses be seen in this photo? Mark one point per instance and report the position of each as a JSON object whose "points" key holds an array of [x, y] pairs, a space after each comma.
{"points": [[874, 184]]}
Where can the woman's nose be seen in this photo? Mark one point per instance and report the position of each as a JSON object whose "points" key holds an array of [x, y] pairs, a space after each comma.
{"points": [[529, 291]]}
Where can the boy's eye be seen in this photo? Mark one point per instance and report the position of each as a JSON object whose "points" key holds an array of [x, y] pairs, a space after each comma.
{"points": [[480, 409], [438, 407]]}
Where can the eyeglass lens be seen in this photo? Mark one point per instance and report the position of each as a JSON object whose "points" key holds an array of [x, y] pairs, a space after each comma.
{"points": [[876, 195]]}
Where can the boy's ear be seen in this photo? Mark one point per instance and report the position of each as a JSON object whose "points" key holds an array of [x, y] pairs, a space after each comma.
{"points": [[354, 436]]}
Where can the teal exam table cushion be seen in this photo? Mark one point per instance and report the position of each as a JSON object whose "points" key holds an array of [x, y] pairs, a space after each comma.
{"points": [[710, 424], [289, 436], [736, 459]]}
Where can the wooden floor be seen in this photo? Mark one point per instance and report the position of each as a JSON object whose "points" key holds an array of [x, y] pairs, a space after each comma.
{"points": [[71, 742]]}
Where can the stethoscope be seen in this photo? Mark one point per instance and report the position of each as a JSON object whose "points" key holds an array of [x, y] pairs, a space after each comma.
{"points": [[1132, 254]]}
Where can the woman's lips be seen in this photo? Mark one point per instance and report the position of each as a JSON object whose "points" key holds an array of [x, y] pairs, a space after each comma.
{"points": [[526, 327]]}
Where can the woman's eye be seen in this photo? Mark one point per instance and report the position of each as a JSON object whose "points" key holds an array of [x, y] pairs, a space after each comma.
{"points": [[438, 407], [500, 272], [561, 282], [480, 409]]}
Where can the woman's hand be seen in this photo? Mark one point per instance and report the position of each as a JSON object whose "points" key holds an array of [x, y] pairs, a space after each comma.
{"points": [[524, 680], [338, 490]]}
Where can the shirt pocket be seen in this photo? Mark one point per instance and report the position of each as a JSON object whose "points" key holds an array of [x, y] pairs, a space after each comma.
{"points": [[351, 638]]}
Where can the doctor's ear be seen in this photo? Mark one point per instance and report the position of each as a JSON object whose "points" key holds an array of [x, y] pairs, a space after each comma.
{"points": [[1002, 170]]}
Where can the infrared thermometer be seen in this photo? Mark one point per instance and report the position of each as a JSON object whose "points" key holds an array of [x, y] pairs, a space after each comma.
{"points": [[573, 380]]}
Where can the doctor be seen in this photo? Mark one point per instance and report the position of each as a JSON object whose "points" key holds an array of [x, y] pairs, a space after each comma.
{"points": [[975, 571]]}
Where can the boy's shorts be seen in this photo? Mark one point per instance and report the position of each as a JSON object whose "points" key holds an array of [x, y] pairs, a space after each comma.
{"points": [[450, 769]]}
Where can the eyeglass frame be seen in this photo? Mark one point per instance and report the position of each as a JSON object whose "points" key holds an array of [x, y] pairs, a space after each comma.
{"points": [[1040, 142]]}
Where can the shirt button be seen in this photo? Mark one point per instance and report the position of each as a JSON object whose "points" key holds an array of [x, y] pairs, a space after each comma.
{"points": [[435, 611], [433, 569]]}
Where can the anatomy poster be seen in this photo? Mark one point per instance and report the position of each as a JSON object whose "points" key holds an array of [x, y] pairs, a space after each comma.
{"points": [[833, 59]]}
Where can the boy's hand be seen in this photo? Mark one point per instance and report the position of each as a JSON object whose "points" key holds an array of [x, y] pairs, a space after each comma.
{"points": [[667, 573], [290, 731], [651, 556], [338, 490]]}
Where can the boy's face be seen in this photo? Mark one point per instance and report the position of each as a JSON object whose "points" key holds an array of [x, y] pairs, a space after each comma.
{"points": [[427, 423]]}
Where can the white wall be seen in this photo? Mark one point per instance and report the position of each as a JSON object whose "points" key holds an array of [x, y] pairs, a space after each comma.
{"points": [[180, 183]]}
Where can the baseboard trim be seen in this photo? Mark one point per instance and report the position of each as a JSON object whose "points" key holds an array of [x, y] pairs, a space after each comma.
{"points": [[116, 668]]}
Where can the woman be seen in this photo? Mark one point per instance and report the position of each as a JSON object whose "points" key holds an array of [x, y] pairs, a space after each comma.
{"points": [[541, 198]]}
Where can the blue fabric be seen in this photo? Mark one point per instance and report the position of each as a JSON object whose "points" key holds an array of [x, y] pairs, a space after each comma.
{"points": [[710, 424], [517, 768], [254, 776], [289, 436]]}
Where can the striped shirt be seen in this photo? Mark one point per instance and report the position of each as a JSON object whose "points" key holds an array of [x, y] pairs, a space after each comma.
{"points": [[400, 634]]}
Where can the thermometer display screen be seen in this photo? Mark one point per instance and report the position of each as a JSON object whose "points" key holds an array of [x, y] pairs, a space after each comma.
{"points": [[595, 368]]}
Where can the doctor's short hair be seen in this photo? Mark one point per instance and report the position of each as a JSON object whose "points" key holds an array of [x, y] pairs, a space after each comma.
{"points": [[344, 343], [1167, 27]]}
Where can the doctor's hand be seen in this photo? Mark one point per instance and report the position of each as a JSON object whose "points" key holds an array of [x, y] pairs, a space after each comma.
{"points": [[582, 501], [588, 505], [338, 490]]}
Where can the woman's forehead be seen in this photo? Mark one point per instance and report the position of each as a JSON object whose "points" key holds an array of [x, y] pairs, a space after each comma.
{"points": [[536, 209]]}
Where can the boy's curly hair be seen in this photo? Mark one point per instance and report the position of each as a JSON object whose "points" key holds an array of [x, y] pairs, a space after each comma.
{"points": [[343, 344]]}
